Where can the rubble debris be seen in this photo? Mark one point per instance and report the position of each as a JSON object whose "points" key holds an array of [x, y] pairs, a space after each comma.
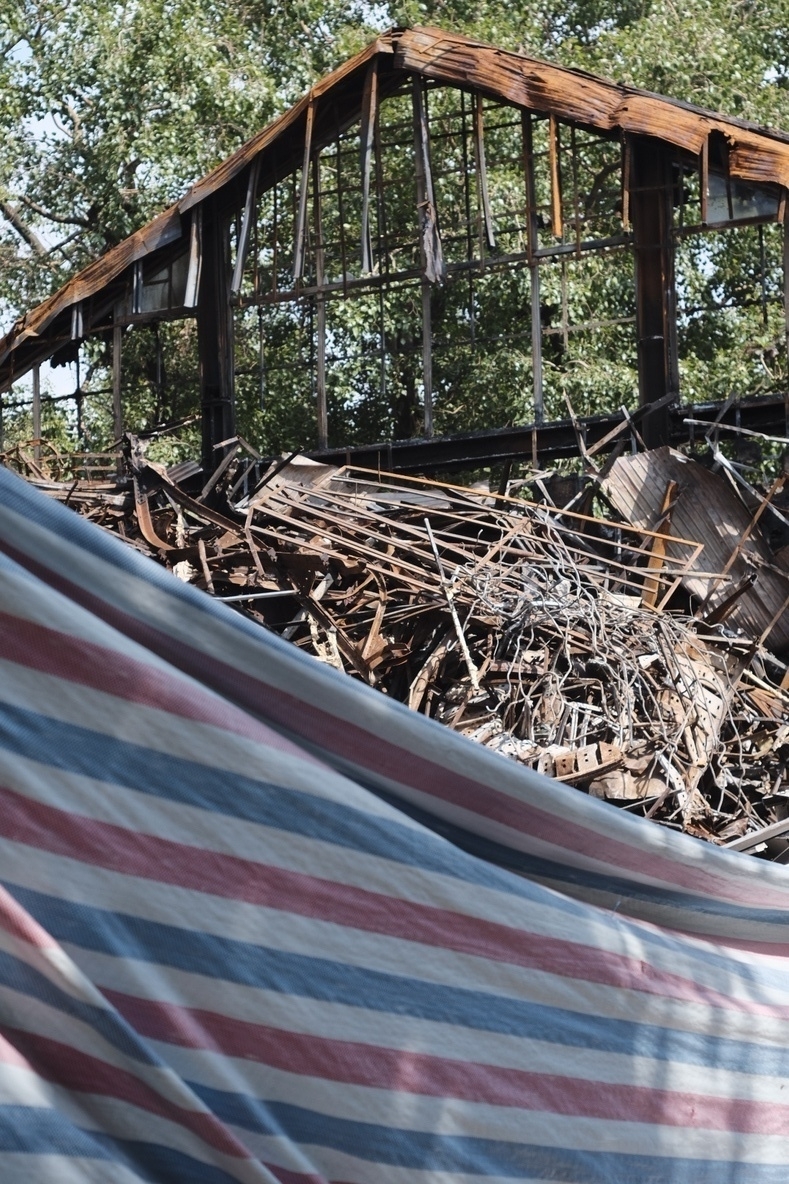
{"points": [[620, 651]]}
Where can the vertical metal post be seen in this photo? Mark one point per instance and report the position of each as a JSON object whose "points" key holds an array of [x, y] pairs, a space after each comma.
{"points": [[786, 303], [301, 217], [427, 357], [534, 268], [78, 401], [117, 410], [366, 143], [482, 173], [625, 184], [320, 353], [215, 338], [429, 238], [433, 270], [651, 210], [383, 247], [242, 242], [195, 258], [37, 412]]}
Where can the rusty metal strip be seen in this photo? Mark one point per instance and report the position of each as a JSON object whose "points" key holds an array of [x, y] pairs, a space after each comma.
{"points": [[301, 223], [147, 528], [366, 145], [482, 171], [246, 222]]}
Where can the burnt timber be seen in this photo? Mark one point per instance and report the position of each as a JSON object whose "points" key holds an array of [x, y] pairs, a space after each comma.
{"points": [[194, 259]]}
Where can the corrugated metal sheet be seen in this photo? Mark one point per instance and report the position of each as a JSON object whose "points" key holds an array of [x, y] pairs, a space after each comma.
{"points": [[708, 511]]}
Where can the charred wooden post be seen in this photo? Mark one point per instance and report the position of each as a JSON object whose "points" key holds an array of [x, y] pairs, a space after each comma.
{"points": [[215, 339], [651, 210]]}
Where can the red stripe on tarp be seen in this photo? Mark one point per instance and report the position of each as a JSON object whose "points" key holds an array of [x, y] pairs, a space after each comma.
{"points": [[132, 853], [405, 1071], [114, 673], [64, 1065]]}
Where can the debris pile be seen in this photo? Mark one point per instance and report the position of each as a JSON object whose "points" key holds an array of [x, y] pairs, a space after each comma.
{"points": [[596, 645]]}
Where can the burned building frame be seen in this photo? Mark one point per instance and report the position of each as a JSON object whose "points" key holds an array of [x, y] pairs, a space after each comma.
{"points": [[412, 184]]}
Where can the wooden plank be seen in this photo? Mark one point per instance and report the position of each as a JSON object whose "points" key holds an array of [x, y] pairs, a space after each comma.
{"points": [[657, 554], [575, 96]]}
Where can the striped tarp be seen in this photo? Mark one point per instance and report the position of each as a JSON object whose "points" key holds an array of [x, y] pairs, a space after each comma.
{"points": [[257, 923]]}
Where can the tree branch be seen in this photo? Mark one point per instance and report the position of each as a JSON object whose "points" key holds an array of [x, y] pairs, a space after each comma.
{"points": [[72, 221], [21, 227]]}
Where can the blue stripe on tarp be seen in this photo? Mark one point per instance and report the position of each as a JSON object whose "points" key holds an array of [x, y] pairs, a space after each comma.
{"points": [[328, 981], [80, 750], [17, 975], [542, 869], [428, 1151], [37, 1130], [92, 754]]}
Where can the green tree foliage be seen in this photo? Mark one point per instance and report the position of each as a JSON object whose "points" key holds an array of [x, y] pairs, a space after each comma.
{"points": [[109, 109]]}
